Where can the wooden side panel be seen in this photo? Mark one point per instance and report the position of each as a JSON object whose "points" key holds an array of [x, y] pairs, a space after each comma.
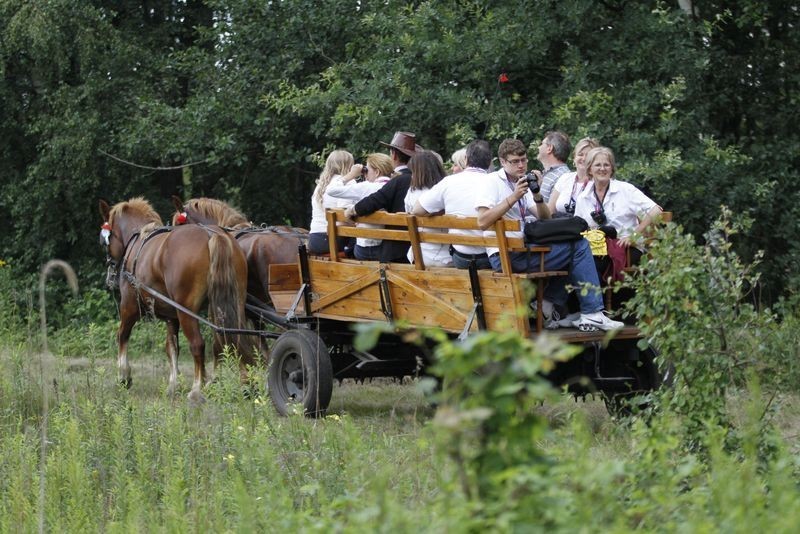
{"points": [[284, 283], [436, 297]]}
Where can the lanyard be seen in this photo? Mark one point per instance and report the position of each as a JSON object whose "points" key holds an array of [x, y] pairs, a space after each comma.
{"points": [[598, 205], [575, 184], [521, 204]]}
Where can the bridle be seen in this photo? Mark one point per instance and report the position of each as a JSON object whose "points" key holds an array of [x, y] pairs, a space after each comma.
{"points": [[113, 266]]}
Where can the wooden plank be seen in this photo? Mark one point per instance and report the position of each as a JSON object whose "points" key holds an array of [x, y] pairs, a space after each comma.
{"points": [[503, 246], [343, 270], [374, 233], [345, 291], [403, 283], [413, 234], [284, 276], [282, 301], [333, 248]]}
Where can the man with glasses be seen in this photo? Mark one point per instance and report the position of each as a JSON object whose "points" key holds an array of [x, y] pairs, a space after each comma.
{"points": [[505, 193]]}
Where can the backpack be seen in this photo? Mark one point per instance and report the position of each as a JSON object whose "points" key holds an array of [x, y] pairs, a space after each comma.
{"points": [[557, 230]]}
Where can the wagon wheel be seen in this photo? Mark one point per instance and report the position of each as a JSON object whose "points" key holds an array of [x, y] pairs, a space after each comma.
{"points": [[648, 377], [300, 371]]}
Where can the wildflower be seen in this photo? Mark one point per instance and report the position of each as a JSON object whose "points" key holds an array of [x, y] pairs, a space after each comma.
{"points": [[3, 263], [240, 428], [503, 78], [230, 458], [334, 417]]}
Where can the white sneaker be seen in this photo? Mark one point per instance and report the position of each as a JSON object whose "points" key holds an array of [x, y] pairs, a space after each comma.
{"points": [[589, 322]]}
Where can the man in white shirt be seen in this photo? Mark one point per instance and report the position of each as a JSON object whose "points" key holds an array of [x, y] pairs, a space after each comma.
{"points": [[455, 195]]}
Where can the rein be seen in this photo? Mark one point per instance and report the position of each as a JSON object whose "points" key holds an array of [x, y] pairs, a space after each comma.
{"points": [[265, 230]]}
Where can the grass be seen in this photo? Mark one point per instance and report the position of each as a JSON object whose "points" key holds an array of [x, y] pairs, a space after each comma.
{"points": [[122, 460]]}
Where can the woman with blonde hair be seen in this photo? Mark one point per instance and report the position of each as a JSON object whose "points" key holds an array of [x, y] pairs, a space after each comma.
{"points": [[459, 159], [339, 163], [379, 168], [572, 184]]}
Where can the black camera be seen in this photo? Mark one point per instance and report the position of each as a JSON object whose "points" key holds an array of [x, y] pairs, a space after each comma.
{"points": [[533, 182], [364, 169], [569, 207], [599, 216]]}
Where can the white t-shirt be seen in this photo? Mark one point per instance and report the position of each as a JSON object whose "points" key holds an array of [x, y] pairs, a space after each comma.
{"points": [[355, 191], [455, 195], [494, 191], [624, 205], [567, 187], [433, 254], [318, 222]]}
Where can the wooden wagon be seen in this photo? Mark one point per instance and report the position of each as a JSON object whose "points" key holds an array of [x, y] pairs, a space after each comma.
{"points": [[319, 298]]}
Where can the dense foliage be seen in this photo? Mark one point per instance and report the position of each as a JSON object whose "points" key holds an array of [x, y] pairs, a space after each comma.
{"points": [[240, 99]]}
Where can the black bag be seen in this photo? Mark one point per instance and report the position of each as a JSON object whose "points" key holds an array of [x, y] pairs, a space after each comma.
{"points": [[557, 230]]}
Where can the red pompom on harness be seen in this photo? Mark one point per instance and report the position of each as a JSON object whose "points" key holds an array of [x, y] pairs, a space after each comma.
{"points": [[181, 218], [105, 232]]}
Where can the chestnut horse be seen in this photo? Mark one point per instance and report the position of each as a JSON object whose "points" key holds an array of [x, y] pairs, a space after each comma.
{"points": [[262, 246], [191, 265]]}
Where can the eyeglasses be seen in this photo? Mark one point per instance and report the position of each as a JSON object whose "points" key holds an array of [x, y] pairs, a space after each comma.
{"points": [[517, 161]]}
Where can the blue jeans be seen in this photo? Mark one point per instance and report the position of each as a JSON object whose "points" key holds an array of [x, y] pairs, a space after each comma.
{"points": [[368, 253], [461, 262], [575, 257]]}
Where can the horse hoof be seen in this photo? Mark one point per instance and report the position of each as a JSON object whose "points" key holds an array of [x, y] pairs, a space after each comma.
{"points": [[126, 382], [196, 398]]}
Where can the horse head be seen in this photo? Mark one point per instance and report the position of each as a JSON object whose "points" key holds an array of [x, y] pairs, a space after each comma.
{"points": [[207, 211], [123, 221]]}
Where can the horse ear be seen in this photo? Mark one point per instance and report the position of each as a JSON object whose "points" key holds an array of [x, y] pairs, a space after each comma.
{"points": [[178, 203], [105, 209]]}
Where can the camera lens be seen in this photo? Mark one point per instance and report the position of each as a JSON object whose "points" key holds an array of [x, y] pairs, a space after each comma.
{"points": [[533, 182], [569, 207]]}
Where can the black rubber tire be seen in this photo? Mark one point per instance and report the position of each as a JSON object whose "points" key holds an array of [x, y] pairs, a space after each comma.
{"points": [[300, 371]]}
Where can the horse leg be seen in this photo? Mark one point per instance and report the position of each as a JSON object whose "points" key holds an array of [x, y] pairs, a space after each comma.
{"points": [[172, 355], [191, 329], [128, 318]]}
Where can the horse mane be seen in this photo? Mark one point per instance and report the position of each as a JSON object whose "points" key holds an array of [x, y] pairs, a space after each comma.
{"points": [[136, 206], [219, 211]]}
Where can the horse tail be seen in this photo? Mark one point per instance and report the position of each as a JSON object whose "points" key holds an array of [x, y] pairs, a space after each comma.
{"points": [[226, 294]]}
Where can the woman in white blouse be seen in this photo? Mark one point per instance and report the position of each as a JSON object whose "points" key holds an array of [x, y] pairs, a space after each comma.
{"points": [[612, 205], [379, 168], [339, 163], [565, 193]]}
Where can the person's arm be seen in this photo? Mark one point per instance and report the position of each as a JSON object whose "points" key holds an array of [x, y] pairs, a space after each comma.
{"points": [[488, 216], [430, 202], [542, 209], [355, 192], [654, 212], [419, 211], [380, 199], [553, 200]]}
